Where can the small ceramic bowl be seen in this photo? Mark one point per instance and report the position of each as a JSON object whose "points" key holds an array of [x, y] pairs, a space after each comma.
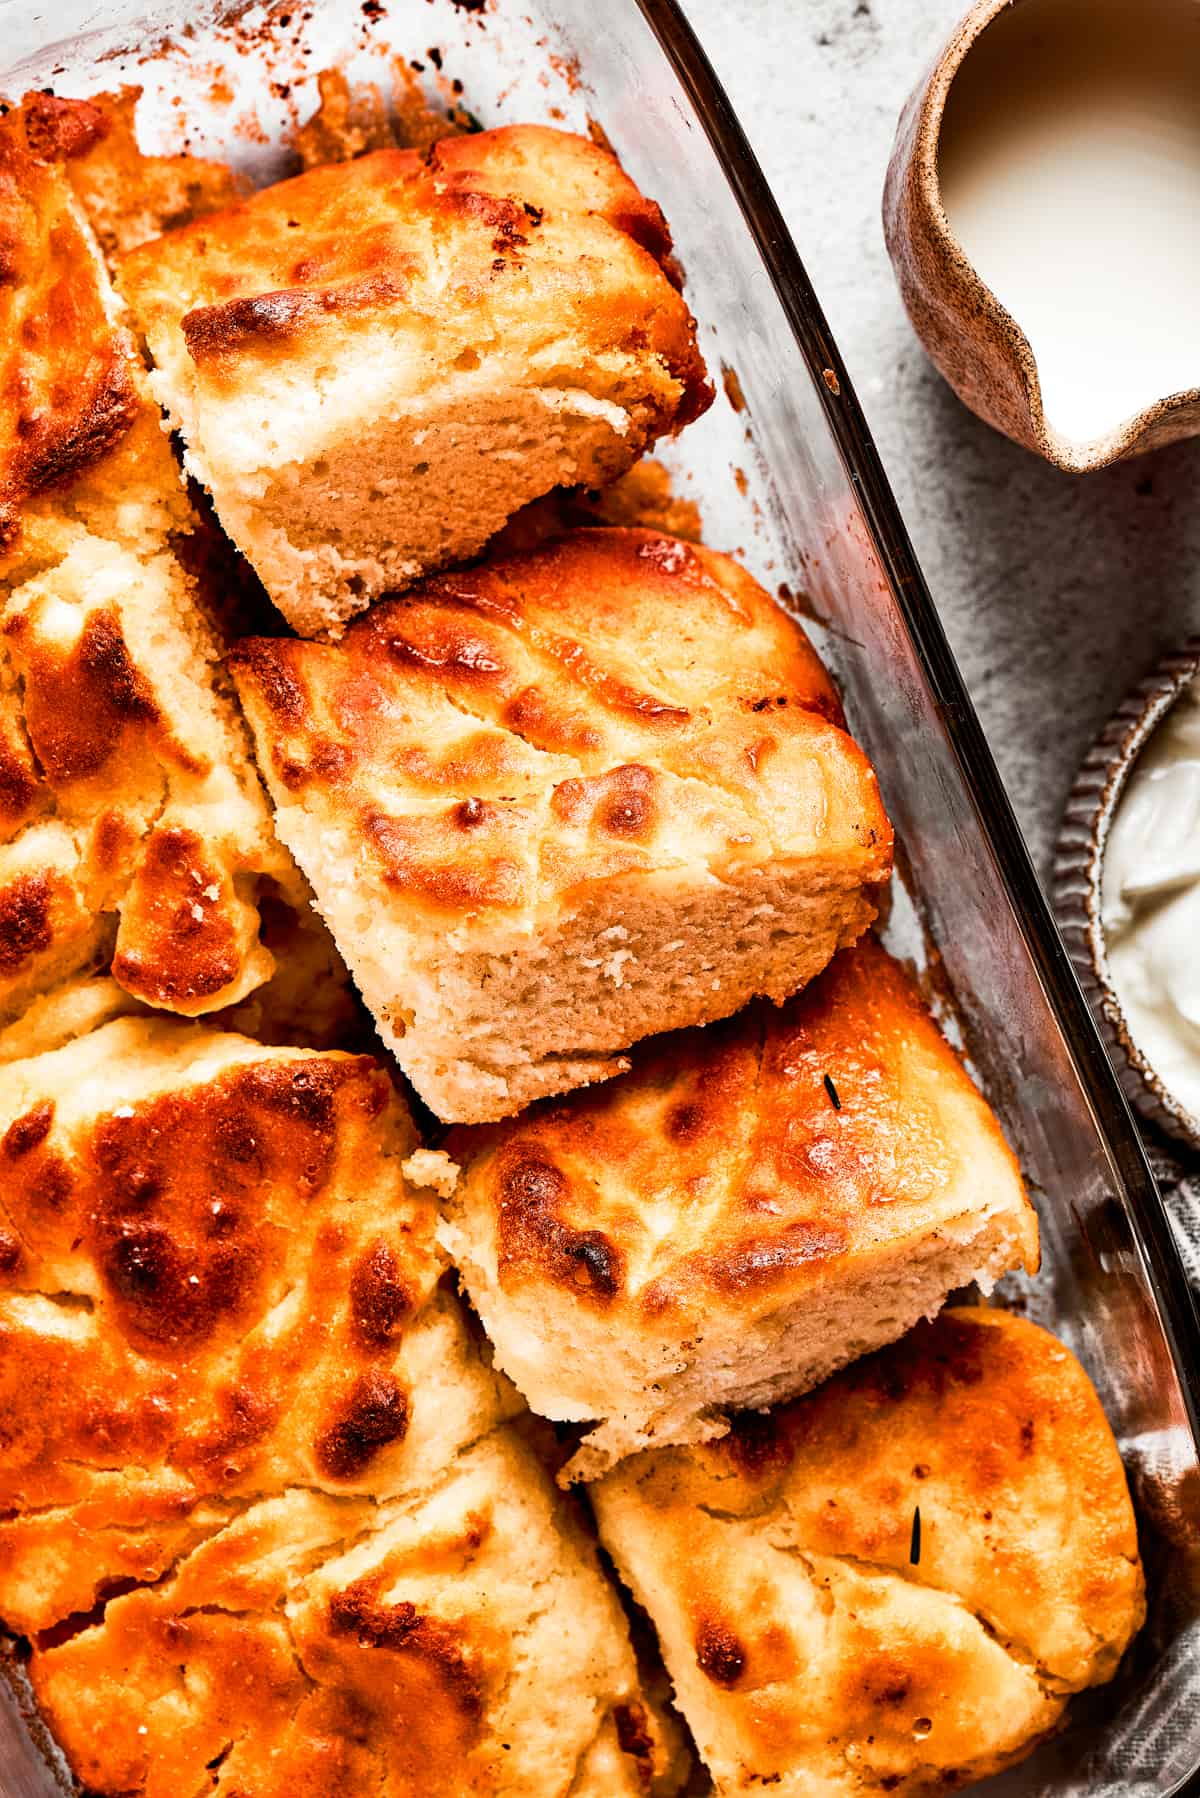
{"points": [[1078, 873], [972, 337]]}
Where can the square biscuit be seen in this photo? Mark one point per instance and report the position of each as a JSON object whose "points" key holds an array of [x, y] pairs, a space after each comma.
{"points": [[553, 804], [216, 1283], [749, 1208], [375, 364], [463, 1643], [134, 831], [894, 1584]]}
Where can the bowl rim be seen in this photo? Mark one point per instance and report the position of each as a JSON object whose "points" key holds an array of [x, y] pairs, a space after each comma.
{"points": [[1092, 806]]}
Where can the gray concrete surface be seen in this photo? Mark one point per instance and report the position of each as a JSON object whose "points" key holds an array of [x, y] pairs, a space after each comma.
{"points": [[1058, 592]]}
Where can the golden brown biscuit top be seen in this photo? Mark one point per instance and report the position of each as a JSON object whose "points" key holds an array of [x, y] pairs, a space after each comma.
{"points": [[67, 389], [126, 195], [126, 769], [467, 1644], [742, 1163], [466, 226], [981, 1421], [133, 829], [611, 703], [82, 445], [89, 709], [214, 1284]]}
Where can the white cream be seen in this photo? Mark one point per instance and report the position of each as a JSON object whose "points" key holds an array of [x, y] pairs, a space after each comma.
{"points": [[1070, 174], [1150, 901]]}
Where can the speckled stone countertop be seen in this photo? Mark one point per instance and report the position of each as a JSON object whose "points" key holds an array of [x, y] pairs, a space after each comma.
{"points": [[1058, 592]]}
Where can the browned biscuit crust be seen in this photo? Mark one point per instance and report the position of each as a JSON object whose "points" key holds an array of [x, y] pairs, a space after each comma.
{"points": [[133, 829], [464, 1644], [126, 195], [818, 1643], [215, 1284], [375, 364], [67, 393], [749, 1207], [553, 804]]}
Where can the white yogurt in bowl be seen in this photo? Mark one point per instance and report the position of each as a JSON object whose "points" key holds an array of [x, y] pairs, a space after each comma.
{"points": [[1127, 891], [1150, 902]]}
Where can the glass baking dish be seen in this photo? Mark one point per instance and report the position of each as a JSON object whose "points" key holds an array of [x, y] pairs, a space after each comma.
{"points": [[786, 474]]}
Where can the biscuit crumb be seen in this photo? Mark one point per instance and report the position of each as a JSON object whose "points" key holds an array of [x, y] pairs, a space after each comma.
{"points": [[432, 1168]]}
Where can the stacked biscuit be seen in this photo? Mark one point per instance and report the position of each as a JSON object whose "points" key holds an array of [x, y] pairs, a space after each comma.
{"points": [[585, 816]]}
